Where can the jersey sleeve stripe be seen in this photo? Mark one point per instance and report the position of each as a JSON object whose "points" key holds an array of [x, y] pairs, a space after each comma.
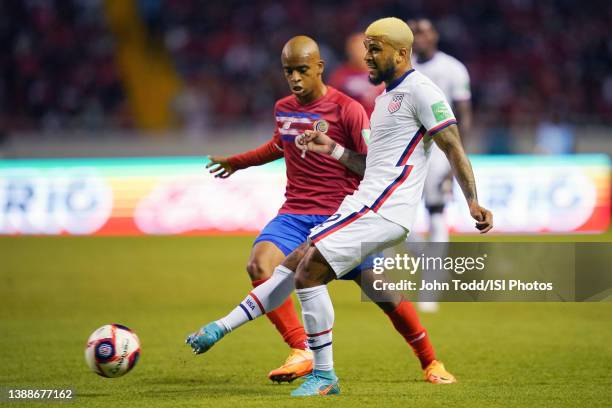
{"points": [[411, 146], [340, 224], [391, 188], [442, 126]]}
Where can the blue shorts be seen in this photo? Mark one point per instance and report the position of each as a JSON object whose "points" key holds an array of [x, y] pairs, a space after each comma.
{"points": [[288, 231]]}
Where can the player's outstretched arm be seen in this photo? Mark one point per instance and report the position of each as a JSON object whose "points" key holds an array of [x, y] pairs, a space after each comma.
{"points": [[319, 142], [223, 167], [220, 166], [449, 142]]}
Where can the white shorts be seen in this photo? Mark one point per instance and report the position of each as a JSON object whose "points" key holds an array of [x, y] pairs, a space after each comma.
{"points": [[439, 168], [346, 238]]}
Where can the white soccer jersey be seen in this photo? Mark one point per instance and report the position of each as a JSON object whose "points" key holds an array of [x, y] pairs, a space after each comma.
{"points": [[406, 116], [449, 74]]}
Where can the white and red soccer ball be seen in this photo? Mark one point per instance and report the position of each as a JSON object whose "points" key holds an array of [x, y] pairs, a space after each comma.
{"points": [[112, 350]]}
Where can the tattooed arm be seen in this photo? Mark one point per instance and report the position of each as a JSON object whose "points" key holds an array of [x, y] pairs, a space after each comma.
{"points": [[449, 142]]}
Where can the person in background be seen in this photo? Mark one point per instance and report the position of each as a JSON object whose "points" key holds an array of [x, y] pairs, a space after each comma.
{"points": [[352, 77], [554, 136], [452, 77]]}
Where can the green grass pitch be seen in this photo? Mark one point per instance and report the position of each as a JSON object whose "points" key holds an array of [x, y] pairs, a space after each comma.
{"points": [[55, 291]]}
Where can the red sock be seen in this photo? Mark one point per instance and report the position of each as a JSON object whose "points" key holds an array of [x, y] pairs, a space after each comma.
{"points": [[287, 322], [406, 322]]}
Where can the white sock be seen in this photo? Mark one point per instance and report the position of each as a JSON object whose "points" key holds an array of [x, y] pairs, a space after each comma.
{"points": [[438, 231], [261, 300], [318, 317]]}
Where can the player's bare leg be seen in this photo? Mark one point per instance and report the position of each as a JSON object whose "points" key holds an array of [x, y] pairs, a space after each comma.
{"points": [[406, 321], [265, 257], [265, 297], [386, 300], [311, 278]]}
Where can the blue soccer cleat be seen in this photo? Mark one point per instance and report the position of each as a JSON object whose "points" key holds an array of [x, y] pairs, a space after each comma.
{"points": [[202, 340], [318, 383]]}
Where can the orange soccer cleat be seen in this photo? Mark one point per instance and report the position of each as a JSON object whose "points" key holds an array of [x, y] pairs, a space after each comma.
{"points": [[435, 373], [298, 364]]}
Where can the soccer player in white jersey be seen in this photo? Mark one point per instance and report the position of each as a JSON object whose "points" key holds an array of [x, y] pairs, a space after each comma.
{"points": [[408, 118], [452, 77]]}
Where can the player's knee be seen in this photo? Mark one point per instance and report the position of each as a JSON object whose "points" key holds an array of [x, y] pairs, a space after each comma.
{"points": [[302, 278], [257, 269], [295, 257], [301, 251], [311, 271]]}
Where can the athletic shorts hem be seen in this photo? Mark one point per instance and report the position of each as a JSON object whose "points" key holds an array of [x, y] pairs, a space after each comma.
{"points": [[274, 240]]}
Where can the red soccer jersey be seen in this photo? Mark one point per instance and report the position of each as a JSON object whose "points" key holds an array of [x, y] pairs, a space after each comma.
{"points": [[316, 183], [354, 82]]}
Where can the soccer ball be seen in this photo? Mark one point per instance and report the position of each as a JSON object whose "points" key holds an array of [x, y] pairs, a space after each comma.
{"points": [[112, 350]]}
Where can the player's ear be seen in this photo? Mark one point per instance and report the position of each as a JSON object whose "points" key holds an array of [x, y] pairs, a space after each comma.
{"points": [[321, 66], [403, 55], [397, 56]]}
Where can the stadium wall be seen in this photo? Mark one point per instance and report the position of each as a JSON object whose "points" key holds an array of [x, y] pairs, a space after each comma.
{"points": [[589, 139]]}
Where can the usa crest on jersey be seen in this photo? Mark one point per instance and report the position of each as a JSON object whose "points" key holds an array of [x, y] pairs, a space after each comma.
{"points": [[395, 103]]}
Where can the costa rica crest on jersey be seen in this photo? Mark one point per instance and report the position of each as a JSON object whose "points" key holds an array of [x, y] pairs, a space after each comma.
{"points": [[321, 125], [395, 103]]}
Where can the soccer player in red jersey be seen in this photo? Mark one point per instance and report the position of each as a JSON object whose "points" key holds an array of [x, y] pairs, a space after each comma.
{"points": [[316, 185], [352, 76]]}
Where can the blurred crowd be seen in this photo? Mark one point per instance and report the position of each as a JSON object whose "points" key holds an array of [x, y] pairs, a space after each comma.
{"points": [[531, 62], [57, 67]]}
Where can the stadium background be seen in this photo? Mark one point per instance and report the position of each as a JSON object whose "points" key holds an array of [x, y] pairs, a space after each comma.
{"points": [[107, 109]]}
